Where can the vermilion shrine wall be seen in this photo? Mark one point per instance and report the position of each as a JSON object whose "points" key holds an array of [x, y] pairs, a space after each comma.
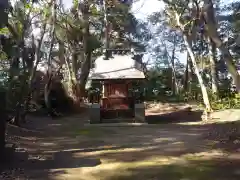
{"points": [[116, 94]]}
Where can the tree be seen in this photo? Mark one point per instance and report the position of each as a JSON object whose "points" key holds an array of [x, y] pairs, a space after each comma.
{"points": [[50, 74], [81, 46], [26, 53], [211, 25], [166, 46], [77, 44], [4, 6], [178, 14], [63, 42]]}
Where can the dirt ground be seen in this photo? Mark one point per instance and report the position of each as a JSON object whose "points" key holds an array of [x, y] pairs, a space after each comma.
{"points": [[67, 149]]}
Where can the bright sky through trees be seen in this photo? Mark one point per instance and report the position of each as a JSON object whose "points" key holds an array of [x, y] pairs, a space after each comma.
{"points": [[143, 8]]}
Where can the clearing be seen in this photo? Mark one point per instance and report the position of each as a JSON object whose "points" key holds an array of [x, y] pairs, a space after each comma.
{"points": [[66, 149]]}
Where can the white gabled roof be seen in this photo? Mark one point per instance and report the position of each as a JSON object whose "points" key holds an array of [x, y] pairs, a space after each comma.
{"points": [[118, 67]]}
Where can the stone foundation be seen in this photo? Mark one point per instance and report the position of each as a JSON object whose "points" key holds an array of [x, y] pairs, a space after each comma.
{"points": [[139, 112], [94, 113]]}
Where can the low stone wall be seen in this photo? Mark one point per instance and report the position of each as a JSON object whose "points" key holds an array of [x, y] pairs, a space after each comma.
{"points": [[95, 114]]}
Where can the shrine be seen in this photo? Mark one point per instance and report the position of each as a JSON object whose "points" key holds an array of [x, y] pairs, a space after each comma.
{"points": [[117, 86]]}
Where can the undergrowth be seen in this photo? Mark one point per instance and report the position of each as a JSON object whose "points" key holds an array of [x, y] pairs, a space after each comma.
{"points": [[224, 100], [232, 101]]}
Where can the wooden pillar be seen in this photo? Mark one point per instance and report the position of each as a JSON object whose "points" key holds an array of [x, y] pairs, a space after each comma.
{"points": [[127, 86], [103, 89]]}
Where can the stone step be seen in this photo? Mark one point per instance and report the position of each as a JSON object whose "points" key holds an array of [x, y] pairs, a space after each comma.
{"points": [[118, 120], [10, 146], [119, 125]]}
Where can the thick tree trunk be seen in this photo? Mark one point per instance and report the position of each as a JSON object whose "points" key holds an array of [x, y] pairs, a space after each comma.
{"points": [[209, 15], [86, 65], [73, 84], [85, 69], [26, 100], [75, 91], [47, 87]]}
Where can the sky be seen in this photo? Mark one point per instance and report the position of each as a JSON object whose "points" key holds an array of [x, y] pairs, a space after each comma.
{"points": [[144, 7], [141, 9]]}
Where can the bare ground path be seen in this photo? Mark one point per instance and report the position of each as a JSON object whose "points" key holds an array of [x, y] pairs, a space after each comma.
{"points": [[66, 149]]}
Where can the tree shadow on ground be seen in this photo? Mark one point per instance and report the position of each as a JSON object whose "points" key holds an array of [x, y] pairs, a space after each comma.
{"points": [[224, 135], [184, 115], [170, 140], [21, 164], [127, 145]]}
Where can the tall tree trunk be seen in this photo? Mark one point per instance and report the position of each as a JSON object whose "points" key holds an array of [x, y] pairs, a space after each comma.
{"points": [[211, 24], [174, 79], [191, 74], [171, 64], [188, 38], [212, 58], [200, 80], [188, 43], [186, 75]]}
